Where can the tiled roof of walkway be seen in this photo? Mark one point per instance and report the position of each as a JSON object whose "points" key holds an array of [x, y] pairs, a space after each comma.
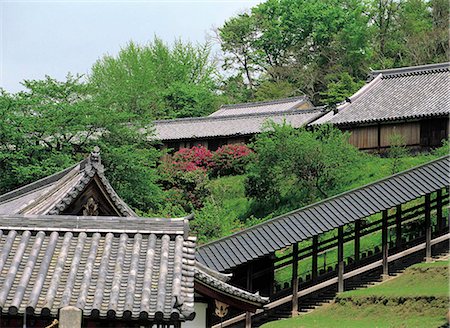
{"points": [[326, 215]]}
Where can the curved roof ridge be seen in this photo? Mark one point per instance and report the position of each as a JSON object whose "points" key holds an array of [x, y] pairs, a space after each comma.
{"points": [[236, 117], [265, 102], [38, 184], [411, 70]]}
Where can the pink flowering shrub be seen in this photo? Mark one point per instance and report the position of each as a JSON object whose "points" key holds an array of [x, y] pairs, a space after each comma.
{"points": [[191, 159], [230, 159]]}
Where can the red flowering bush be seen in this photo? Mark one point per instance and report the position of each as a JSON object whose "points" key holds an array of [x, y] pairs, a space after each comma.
{"points": [[230, 159], [191, 159]]}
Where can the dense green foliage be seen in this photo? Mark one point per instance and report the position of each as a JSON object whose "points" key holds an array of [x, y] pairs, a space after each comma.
{"points": [[156, 81], [298, 166], [417, 298], [325, 48]]}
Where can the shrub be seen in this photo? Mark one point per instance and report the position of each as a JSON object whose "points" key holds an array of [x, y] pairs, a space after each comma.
{"points": [[214, 221], [230, 159], [443, 150], [396, 151], [295, 167], [191, 159], [187, 189]]}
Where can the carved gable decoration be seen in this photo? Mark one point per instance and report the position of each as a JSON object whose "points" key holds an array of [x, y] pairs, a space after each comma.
{"points": [[72, 191]]}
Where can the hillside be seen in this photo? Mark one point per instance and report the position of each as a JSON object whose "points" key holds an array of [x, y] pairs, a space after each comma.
{"points": [[417, 298]]}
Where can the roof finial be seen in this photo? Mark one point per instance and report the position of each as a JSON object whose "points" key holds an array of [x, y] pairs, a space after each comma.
{"points": [[95, 154], [94, 161]]}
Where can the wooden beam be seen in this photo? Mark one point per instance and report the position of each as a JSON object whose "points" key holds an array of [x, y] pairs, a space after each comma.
{"points": [[428, 227], [315, 247], [357, 239], [398, 227], [340, 259], [440, 218], [294, 279], [384, 242]]}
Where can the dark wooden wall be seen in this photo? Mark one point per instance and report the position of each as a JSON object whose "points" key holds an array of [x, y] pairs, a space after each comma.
{"points": [[424, 133]]}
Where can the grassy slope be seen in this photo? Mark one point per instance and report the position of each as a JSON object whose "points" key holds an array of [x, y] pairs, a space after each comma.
{"points": [[418, 298], [230, 191]]}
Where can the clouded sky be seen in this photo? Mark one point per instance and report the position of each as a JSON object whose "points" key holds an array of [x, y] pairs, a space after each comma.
{"points": [[56, 37]]}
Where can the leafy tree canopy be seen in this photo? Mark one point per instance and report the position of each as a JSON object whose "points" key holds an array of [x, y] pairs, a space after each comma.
{"points": [[324, 49], [157, 81], [53, 124], [297, 167]]}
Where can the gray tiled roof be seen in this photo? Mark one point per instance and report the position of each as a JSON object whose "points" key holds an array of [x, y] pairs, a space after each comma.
{"points": [[225, 126], [53, 194], [263, 106], [326, 215], [49, 262], [397, 94], [204, 277]]}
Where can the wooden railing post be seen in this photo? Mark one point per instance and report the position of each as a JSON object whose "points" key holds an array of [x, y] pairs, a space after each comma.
{"points": [[439, 217], [428, 227], [294, 279], [315, 246], [398, 227], [384, 243], [340, 259], [357, 239]]}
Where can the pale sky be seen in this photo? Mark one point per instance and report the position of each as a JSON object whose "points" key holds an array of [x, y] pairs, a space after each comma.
{"points": [[53, 38]]}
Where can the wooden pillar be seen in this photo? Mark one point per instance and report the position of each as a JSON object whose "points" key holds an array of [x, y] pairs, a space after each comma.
{"points": [[439, 217], [294, 279], [340, 259], [248, 315], [315, 246], [398, 227], [357, 239], [248, 320], [428, 227], [384, 242]]}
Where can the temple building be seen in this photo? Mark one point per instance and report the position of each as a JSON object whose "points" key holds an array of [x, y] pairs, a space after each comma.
{"points": [[411, 101], [70, 240], [233, 124]]}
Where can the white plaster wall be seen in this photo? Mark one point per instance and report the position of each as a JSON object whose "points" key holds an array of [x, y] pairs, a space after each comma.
{"points": [[200, 317]]}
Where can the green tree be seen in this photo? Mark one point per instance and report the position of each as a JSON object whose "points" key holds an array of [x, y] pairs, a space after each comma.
{"points": [[397, 150], [157, 81], [294, 45], [53, 124], [237, 37], [409, 32], [340, 87], [295, 167]]}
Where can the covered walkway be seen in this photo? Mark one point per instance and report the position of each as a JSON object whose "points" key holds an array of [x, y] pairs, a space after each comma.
{"points": [[403, 214]]}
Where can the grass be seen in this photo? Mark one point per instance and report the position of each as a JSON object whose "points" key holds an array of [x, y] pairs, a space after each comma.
{"points": [[424, 279], [418, 298], [230, 190]]}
